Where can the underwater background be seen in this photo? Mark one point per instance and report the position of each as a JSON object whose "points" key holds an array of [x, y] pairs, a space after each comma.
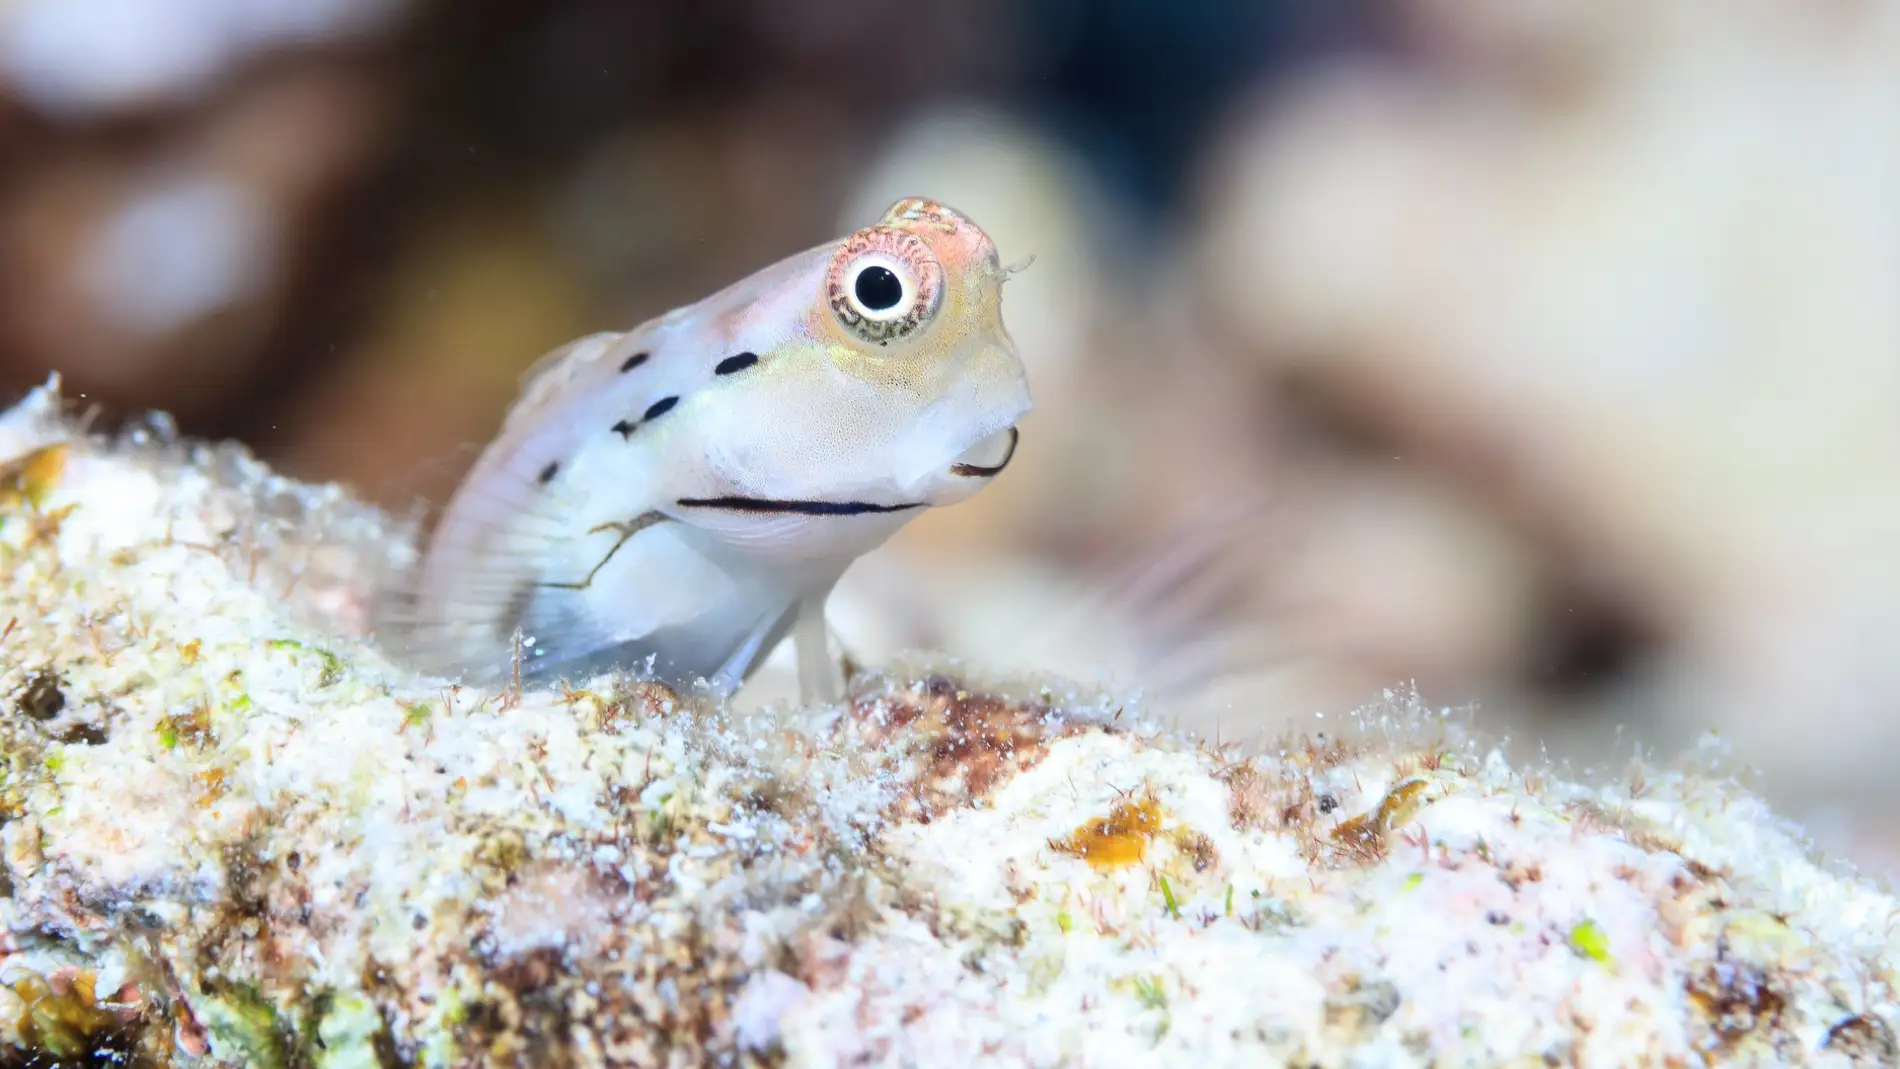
{"points": [[1541, 354]]}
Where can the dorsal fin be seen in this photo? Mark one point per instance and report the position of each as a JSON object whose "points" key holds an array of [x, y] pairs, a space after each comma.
{"points": [[548, 378]]}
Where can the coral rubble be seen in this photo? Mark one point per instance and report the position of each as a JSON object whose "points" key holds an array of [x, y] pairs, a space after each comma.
{"points": [[236, 834]]}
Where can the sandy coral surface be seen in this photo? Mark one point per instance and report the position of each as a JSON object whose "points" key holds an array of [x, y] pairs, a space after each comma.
{"points": [[236, 834]]}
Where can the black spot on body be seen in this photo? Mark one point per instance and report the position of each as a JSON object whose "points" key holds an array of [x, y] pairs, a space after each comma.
{"points": [[736, 363], [633, 361], [660, 408], [623, 429], [548, 473]]}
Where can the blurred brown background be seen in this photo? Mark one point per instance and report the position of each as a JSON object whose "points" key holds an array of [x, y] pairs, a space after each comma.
{"points": [[1547, 354]]}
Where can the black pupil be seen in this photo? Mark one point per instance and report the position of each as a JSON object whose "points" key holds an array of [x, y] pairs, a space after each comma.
{"points": [[879, 289]]}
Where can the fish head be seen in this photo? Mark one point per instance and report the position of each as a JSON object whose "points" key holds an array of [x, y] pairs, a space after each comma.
{"points": [[898, 384]]}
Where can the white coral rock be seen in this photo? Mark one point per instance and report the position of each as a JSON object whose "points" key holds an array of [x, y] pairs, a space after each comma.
{"points": [[234, 830]]}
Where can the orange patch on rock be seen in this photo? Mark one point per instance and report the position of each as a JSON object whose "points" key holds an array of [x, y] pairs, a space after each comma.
{"points": [[1364, 837], [1119, 839], [28, 479]]}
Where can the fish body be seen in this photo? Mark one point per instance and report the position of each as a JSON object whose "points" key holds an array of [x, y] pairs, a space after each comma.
{"points": [[676, 498]]}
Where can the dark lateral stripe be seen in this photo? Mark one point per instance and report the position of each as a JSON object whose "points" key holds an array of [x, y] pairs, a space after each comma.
{"points": [[979, 470], [799, 508]]}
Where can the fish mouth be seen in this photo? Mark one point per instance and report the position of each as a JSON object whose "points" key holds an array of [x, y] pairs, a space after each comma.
{"points": [[986, 471]]}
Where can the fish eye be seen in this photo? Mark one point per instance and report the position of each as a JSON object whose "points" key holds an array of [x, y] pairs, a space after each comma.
{"points": [[877, 288], [884, 283], [876, 285]]}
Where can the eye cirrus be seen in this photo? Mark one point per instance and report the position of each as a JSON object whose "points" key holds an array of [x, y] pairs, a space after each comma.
{"points": [[884, 284]]}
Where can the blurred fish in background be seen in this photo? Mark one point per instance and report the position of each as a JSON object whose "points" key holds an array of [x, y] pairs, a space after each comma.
{"points": [[1543, 354]]}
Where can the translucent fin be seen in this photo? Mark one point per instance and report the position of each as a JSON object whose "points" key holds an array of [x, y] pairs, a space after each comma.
{"points": [[516, 578], [547, 380], [753, 650], [820, 676], [1194, 605], [483, 564], [510, 529]]}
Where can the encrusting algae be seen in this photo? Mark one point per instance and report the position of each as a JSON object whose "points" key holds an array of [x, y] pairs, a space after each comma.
{"points": [[236, 834], [1121, 838], [1368, 834], [27, 479]]}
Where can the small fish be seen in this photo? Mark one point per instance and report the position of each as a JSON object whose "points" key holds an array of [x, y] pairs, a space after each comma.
{"points": [[675, 499]]}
